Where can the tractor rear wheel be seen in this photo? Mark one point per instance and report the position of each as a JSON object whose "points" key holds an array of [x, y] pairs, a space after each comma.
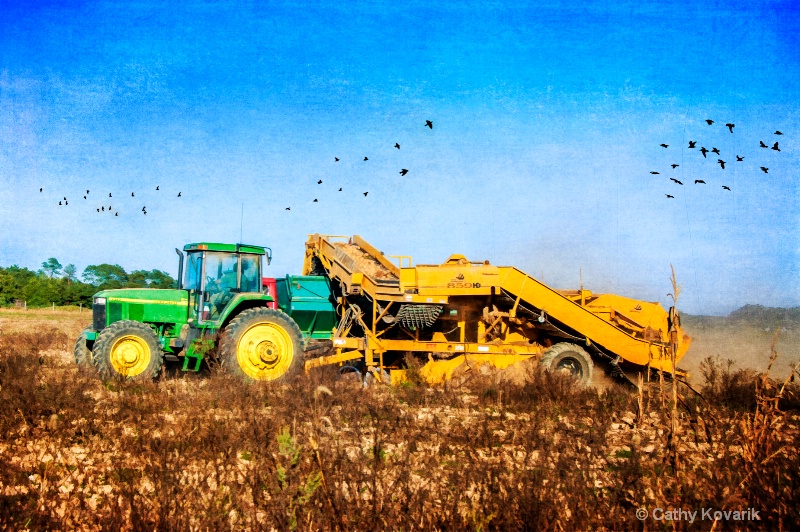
{"points": [[128, 349], [569, 359], [262, 344], [83, 355]]}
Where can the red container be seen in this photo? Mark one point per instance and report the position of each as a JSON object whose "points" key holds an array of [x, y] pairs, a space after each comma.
{"points": [[271, 287]]}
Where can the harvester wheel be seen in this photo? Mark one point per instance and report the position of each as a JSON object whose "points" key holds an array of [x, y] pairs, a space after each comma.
{"points": [[262, 344], [83, 355], [570, 359], [128, 349]]}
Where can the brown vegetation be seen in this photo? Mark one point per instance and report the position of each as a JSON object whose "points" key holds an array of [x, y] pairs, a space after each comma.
{"points": [[210, 453]]}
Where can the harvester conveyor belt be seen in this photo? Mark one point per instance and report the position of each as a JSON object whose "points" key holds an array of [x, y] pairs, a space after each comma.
{"points": [[581, 320]]}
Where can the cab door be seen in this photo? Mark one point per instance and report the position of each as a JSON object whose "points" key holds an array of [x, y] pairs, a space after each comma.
{"points": [[193, 282]]}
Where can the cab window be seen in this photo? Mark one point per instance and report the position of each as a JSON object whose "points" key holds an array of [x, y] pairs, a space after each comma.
{"points": [[251, 278], [221, 269]]}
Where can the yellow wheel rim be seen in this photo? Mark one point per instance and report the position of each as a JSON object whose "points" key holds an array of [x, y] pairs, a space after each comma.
{"points": [[265, 352], [130, 355]]}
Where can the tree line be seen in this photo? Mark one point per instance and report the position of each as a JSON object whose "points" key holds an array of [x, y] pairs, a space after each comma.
{"points": [[58, 284]]}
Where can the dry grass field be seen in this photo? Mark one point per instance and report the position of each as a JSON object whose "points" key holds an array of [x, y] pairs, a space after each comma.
{"points": [[206, 452]]}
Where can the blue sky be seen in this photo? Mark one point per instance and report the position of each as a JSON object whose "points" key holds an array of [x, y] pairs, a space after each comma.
{"points": [[547, 123]]}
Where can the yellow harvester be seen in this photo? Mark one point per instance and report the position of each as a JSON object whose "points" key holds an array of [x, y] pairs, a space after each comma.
{"points": [[472, 313]]}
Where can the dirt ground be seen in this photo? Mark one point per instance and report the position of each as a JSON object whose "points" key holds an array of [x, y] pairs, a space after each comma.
{"points": [[69, 320], [210, 452]]}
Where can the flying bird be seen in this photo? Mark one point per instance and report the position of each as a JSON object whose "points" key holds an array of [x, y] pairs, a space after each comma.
{"points": [[726, 187], [103, 209], [654, 173], [40, 190], [667, 195], [319, 182], [366, 158], [429, 124], [179, 194], [674, 166], [87, 191], [765, 170], [730, 126], [288, 209], [65, 198], [664, 145], [132, 195], [337, 159], [775, 147], [692, 143], [396, 145], [84, 197], [714, 150], [721, 163], [145, 213], [403, 171], [673, 179], [315, 201], [98, 210], [703, 150], [365, 194], [340, 189], [116, 214], [740, 159], [66, 202], [156, 188], [699, 181], [778, 133], [761, 143], [709, 122]]}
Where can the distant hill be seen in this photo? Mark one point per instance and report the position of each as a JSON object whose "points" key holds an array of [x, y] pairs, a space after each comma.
{"points": [[753, 316], [762, 314]]}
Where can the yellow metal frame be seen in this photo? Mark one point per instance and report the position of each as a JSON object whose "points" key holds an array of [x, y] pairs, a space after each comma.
{"points": [[636, 331]]}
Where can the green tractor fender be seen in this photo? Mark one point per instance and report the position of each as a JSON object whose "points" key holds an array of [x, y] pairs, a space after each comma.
{"points": [[241, 302]]}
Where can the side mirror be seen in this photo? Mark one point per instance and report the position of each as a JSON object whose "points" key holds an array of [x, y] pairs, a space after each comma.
{"points": [[180, 268]]}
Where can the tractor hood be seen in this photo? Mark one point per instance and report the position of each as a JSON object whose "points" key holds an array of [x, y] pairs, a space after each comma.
{"points": [[149, 305]]}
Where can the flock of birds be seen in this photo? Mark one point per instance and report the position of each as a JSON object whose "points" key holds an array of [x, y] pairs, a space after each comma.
{"points": [[403, 171], [64, 202], [102, 209], [722, 163]]}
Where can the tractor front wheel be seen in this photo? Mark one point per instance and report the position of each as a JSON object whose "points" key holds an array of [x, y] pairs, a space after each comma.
{"points": [[569, 359], [83, 355], [262, 344], [128, 349]]}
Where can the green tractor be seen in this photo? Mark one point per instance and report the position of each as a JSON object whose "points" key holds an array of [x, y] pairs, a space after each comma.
{"points": [[257, 328]]}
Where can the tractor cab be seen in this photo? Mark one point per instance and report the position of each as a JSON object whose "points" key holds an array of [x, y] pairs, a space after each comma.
{"points": [[215, 273]]}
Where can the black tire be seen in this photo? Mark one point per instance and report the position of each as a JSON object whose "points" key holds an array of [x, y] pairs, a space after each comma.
{"points": [[262, 344], [571, 359], [128, 349], [82, 352]]}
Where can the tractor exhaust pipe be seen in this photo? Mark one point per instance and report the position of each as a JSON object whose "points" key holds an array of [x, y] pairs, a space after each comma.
{"points": [[180, 268]]}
